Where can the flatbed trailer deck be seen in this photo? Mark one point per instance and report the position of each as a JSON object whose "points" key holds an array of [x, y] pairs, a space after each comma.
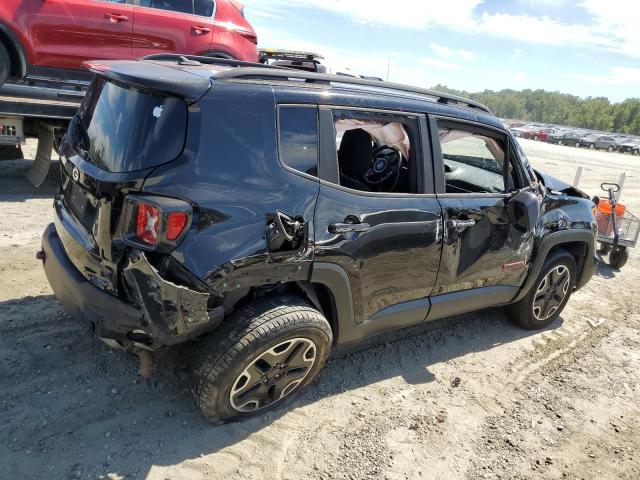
{"points": [[35, 111]]}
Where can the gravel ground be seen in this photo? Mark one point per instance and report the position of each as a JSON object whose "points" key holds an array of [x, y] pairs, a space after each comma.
{"points": [[473, 398]]}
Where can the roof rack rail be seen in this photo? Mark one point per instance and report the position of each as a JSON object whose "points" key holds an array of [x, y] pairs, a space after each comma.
{"points": [[192, 59], [264, 71], [286, 73]]}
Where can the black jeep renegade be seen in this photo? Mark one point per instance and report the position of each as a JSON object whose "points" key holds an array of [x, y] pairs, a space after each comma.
{"points": [[276, 215]]}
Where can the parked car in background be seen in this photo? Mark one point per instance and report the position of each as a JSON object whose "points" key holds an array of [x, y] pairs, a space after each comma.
{"points": [[564, 137], [599, 142], [538, 133], [52, 38], [629, 145]]}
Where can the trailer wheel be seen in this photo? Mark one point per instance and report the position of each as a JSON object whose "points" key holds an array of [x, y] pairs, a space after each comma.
{"points": [[618, 257], [5, 64]]}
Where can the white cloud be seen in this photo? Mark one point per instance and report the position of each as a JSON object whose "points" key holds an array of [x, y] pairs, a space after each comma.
{"points": [[439, 63], [615, 76], [450, 53], [402, 13], [614, 23]]}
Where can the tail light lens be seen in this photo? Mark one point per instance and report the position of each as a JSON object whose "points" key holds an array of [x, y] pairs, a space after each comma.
{"points": [[252, 37], [176, 221], [154, 223], [148, 224]]}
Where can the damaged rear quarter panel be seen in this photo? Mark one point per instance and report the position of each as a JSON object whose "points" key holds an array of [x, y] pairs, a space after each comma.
{"points": [[238, 185], [168, 309]]}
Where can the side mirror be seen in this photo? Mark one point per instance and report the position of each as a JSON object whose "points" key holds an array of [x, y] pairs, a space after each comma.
{"points": [[524, 210]]}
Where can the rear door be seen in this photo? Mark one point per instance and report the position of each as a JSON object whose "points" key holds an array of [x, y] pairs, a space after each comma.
{"points": [[65, 33], [485, 253], [385, 237], [172, 26]]}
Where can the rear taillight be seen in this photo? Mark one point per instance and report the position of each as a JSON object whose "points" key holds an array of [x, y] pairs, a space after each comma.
{"points": [[176, 222], [148, 224], [252, 37], [154, 223]]}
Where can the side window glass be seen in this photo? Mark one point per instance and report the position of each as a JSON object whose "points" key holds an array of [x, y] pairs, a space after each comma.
{"points": [[377, 152], [181, 6], [298, 138], [203, 8], [473, 162]]}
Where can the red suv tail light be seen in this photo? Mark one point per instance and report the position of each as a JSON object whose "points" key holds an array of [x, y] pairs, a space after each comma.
{"points": [[148, 224], [252, 37]]}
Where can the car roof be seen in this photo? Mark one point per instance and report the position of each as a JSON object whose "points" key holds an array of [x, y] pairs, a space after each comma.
{"points": [[191, 77]]}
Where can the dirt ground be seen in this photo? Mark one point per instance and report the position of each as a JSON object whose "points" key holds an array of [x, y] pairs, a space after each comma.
{"points": [[474, 397]]}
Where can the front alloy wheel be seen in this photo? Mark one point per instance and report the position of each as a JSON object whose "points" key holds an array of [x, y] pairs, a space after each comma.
{"points": [[273, 375], [551, 293]]}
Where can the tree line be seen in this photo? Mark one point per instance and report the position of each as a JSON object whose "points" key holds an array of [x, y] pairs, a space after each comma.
{"points": [[596, 113]]}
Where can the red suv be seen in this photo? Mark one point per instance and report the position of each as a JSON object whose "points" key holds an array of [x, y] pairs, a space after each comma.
{"points": [[51, 38]]}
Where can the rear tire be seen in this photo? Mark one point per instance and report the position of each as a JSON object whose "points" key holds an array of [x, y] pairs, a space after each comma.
{"points": [[577, 145], [260, 359], [592, 146], [609, 149], [5, 64], [549, 294], [618, 257]]}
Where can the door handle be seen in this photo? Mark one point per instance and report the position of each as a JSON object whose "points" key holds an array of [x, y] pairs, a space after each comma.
{"points": [[200, 30], [116, 18], [460, 225], [340, 228]]}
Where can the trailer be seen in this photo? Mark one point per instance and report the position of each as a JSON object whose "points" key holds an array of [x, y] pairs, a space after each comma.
{"points": [[41, 111]]}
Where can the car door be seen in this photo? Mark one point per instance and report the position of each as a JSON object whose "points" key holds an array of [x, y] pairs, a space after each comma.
{"points": [[386, 240], [485, 196], [172, 26], [65, 33]]}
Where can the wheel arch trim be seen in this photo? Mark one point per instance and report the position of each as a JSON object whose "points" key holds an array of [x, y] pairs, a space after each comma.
{"points": [[335, 278], [557, 239]]}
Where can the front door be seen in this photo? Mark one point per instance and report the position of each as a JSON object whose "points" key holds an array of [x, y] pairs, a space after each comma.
{"points": [[376, 215], [172, 26], [66, 33], [485, 250]]}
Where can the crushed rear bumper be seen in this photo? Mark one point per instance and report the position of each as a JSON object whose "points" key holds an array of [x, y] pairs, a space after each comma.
{"points": [[169, 314], [104, 314]]}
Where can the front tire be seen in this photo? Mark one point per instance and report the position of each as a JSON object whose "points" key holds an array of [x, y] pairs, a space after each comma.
{"points": [[262, 357], [549, 295], [5, 64]]}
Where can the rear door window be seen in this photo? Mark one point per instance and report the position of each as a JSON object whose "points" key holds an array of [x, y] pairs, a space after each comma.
{"points": [[123, 129], [298, 138]]}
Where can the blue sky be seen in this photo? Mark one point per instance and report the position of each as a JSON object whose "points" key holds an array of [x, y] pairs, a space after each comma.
{"points": [[586, 47]]}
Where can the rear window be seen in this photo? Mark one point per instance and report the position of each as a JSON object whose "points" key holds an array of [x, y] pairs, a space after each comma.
{"points": [[123, 130]]}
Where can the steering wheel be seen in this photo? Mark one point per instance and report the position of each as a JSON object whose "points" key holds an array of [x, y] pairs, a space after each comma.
{"points": [[385, 163]]}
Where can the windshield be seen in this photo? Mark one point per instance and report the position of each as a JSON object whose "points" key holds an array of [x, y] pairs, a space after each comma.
{"points": [[123, 129]]}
